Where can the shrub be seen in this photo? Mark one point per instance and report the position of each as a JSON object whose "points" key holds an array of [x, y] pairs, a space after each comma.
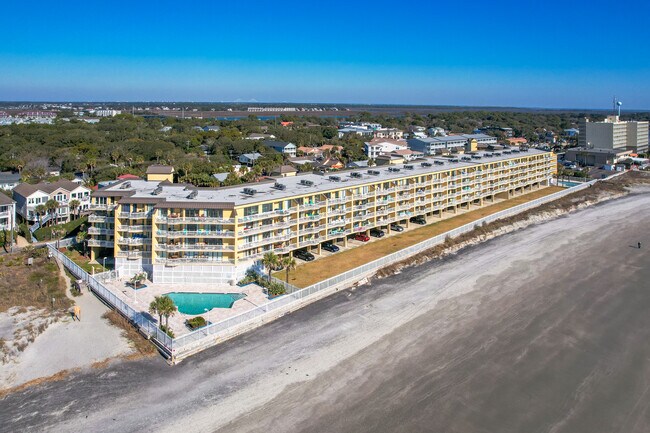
{"points": [[276, 289], [196, 322], [24, 232], [167, 331]]}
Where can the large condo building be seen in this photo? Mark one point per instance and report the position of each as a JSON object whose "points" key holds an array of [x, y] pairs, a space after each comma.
{"points": [[181, 233], [614, 134]]}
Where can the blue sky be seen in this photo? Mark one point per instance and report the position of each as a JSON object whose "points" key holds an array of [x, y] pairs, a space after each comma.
{"points": [[502, 53]]}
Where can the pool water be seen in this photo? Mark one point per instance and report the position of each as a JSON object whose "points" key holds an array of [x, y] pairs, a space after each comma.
{"points": [[196, 303]]}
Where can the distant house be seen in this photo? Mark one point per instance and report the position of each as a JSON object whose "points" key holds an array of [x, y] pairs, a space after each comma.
{"points": [[29, 196], [165, 129], [390, 133], [376, 147], [257, 136], [9, 180], [571, 132], [284, 171], [330, 164], [301, 160], [282, 147], [249, 158], [7, 213], [160, 173], [389, 160], [407, 154], [516, 141], [362, 131], [358, 164], [436, 131], [221, 177], [128, 176], [212, 128]]}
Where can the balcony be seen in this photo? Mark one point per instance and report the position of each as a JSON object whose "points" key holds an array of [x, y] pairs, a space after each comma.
{"points": [[196, 234], [364, 206], [337, 223], [312, 205], [195, 261], [135, 215], [386, 191], [104, 207], [339, 232], [314, 241], [130, 255], [340, 200], [194, 220], [100, 243], [134, 241], [100, 219], [268, 240], [194, 247], [314, 229], [98, 231], [306, 219], [266, 215]]}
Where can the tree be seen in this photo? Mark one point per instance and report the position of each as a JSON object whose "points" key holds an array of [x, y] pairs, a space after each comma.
{"points": [[40, 211], [51, 206], [157, 307], [82, 237], [74, 205], [270, 261], [137, 279], [289, 264], [168, 308]]}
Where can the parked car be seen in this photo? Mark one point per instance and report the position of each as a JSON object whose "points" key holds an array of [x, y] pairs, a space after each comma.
{"points": [[361, 237], [418, 220], [304, 255], [378, 233], [396, 228], [328, 246]]}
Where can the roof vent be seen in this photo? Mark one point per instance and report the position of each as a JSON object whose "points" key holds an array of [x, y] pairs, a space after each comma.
{"points": [[193, 194], [454, 160], [306, 182], [408, 167], [280, 186], [356, 174], [249, 191], [157, 191], [335, 178], [506, 152], [476, 156], [496, 154], [439, 162], [125, 185], [374, 172], [426, 164], [393, 169], [466, 158]]}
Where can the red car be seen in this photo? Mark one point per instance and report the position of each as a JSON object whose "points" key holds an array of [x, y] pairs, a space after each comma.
{"points": [[361, 237]]}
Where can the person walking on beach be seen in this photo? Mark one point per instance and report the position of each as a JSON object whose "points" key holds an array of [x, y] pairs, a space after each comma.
{"points": [[639, 244], [77, 313]]}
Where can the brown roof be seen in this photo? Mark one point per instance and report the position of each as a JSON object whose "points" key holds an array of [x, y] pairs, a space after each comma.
{"points": [[160, 169], [285, 169], [26, 189], [4, 200]]}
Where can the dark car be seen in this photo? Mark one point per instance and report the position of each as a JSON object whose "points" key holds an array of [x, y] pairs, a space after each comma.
{"points": [[361, 237], [304, 255], [396, 228], [418, 220], [378, 233], [328, 246]]}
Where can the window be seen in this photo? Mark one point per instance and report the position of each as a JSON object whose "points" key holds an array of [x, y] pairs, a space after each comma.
{"points": [[268, 207]]}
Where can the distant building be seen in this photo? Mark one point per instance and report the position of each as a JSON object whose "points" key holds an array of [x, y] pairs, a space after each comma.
{"points": [[9, 180], [389, 160], [165, 129], [284, 171], [249, 158], [212, 128], [596, 157], [221, 177], [508, 132], [614, 134], [256, 136], [436, 131], [390, 133], [571, 132], [438, 145], [407, 154], [28, 197], [160, 173], [7, 213], [516, 141], [283, 147], [376, 147], [358, 130], [107, 113]]}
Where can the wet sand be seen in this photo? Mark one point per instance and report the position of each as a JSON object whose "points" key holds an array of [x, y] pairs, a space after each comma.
{"points": [[542, 330]]}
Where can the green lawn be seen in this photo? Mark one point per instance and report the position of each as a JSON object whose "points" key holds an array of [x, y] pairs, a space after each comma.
{"points": [[45, 233]]}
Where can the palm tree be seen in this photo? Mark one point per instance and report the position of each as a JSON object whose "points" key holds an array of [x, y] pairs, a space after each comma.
{"points": [[157, 307], [289, 264], [51, 206], [74, 205], [40, 211], [168, 308], [137, 279], [270, 262]]}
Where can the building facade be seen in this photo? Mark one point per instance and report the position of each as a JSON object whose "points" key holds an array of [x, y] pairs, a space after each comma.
{"points": [[614, 134], [180, 233], [28, 197], [7, 213]]}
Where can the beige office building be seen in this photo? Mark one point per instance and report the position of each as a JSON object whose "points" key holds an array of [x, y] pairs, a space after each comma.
{"points": [[614, 134]]}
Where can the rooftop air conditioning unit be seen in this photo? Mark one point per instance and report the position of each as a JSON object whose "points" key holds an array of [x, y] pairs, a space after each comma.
{"points": [[306, 182], [454, 160], [426, 164], [125, 185], [439, 162], [279, 186], [249, 191], [356, 174], [157, 191], [393, 169], [374, 172], [408, 167], [335, 178]]}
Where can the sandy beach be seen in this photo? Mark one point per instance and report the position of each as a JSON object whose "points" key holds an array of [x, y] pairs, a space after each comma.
{"points": [[545, 329]]}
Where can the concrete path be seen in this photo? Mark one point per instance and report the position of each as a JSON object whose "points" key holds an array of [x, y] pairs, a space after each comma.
{"points": [[542, 330]]}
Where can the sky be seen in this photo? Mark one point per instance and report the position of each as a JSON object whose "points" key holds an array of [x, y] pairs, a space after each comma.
{"points": [[552, 54]]}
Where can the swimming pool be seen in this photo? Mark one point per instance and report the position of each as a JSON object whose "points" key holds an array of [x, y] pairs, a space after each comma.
{"points": [[197, 303], [568, 184]]}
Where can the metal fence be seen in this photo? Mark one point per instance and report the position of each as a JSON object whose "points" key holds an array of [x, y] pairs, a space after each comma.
{"points": [[206, 336]]}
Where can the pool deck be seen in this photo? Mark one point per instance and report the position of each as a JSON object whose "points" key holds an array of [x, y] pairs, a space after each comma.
{"points": [[140, 301]]}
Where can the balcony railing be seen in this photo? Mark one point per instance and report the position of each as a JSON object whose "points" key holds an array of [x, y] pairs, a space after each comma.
{"points": [[105, 207], [194, 247], [134, 241], [195, 261], [339, 200], [309, 218], [196, 234], [135, 215], [99, 231], [313, 229], [309, 242], [194, 220], [132, 255], [100, 243], [100, 219], [336, 223]]}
